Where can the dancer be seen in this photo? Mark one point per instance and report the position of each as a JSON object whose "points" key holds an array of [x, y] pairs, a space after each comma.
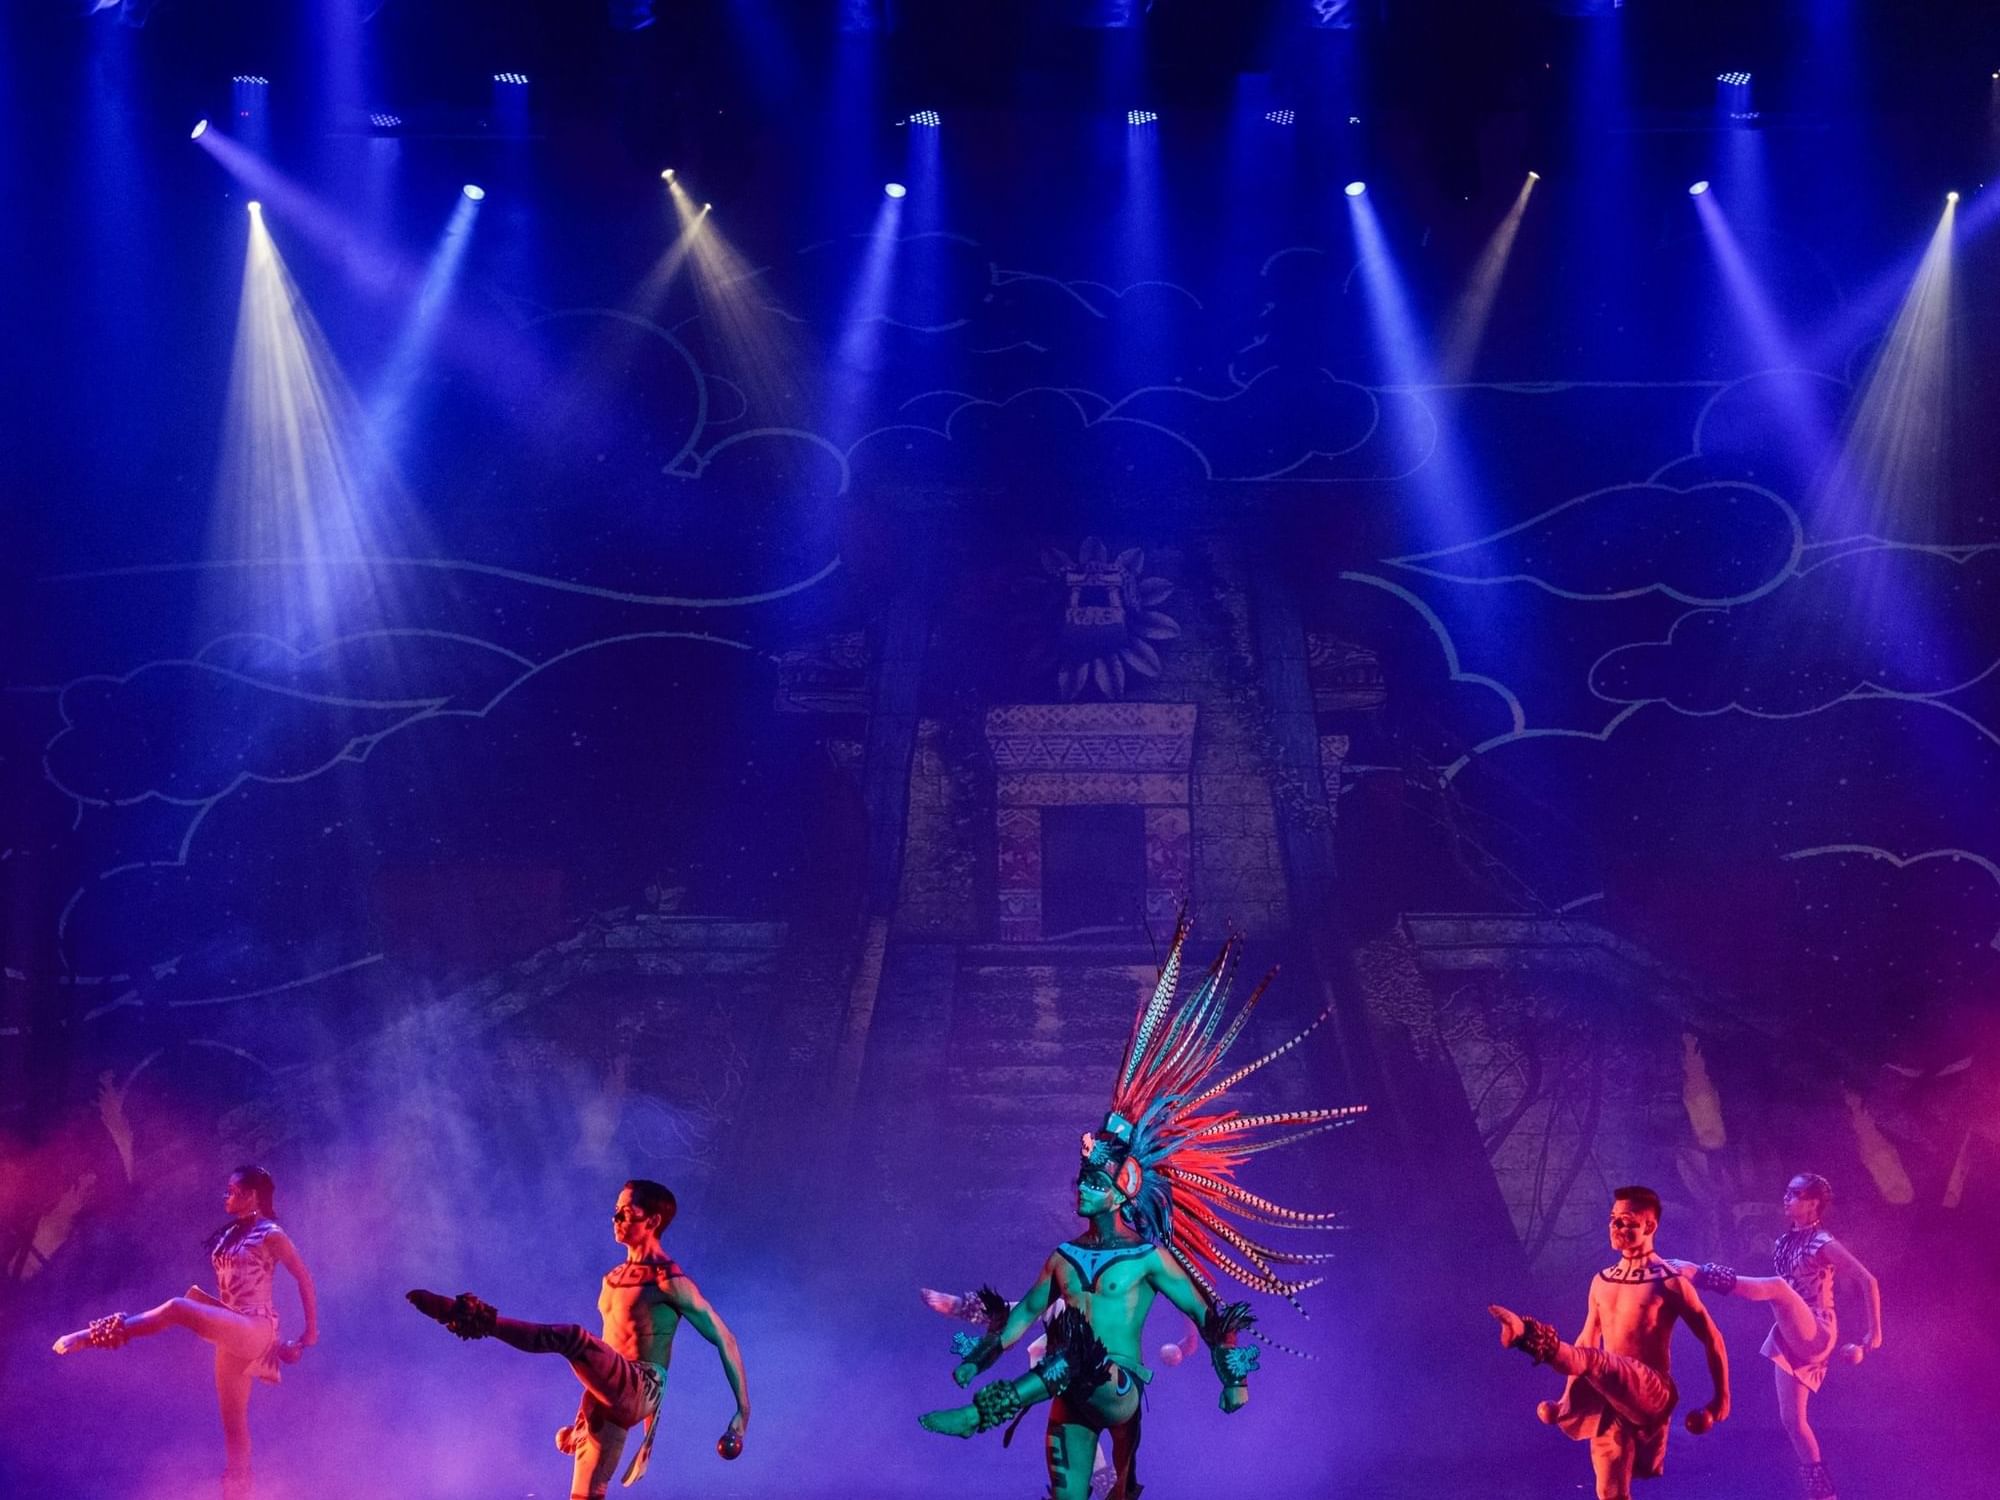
{"points": [[624, 1373], [1804, 1331], [242, 1323], [1156, 1186], [1620, 1393]]}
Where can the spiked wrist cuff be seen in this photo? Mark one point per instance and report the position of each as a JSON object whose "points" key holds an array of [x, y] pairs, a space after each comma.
{"points": [[1538, 1341], [996, 1403], [980, 1352], [1225, 1323], [1715, 1278], [1234, 1363]]}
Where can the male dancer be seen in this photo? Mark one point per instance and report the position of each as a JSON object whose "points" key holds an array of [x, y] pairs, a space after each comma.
{"points": [[1620, 1392], [624, 1373], [1157, 1188]]}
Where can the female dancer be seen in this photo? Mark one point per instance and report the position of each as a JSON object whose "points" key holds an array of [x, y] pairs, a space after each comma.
{"points": [[242, 1324], [1804, 1333]]}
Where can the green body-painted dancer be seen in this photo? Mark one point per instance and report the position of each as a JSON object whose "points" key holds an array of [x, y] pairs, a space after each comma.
{"points": [[1157, 1190]]}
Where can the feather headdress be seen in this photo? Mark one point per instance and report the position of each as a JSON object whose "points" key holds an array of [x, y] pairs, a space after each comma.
{"points": [[1172, 1145]]}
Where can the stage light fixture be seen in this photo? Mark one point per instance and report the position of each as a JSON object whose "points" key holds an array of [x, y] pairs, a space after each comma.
{"points": [[256, 208], [1951, 197], [1140, 117], [706, 207], [1355, 189], [930, 119], [515, 78], [1732, 97], [1281, 116], [381, 119], [668, 175], [895, 189], [473, 191], [200, 130], [1697, 189], [1534, 176]]}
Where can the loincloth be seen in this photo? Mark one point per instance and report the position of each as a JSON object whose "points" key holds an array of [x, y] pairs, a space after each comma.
{"points": [[1620, 1405], [648, 1384]]}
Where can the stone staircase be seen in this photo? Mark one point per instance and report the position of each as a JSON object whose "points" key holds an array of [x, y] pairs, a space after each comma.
{"points": [[985, 1065], [1029, 1061]]}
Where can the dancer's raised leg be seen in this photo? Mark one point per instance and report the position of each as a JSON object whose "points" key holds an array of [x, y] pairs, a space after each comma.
{"points": [[1789, 1311], [243, 1336]]}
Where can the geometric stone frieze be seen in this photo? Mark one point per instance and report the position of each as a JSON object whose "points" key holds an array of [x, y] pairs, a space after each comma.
{"points": [[1091, 736], [1093, 789], [1090, 755]]}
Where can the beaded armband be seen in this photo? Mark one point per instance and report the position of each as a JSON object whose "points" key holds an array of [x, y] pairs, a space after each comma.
{"points": [[996, 1404], [108, 1332], [1538, 1341], [1715, 1278]]}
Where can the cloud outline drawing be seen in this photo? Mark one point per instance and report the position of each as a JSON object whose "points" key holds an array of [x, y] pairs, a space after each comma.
{"points": [[1904, 862], [1415, 561], [1442, 632], [1657, 674], [356, 750]]}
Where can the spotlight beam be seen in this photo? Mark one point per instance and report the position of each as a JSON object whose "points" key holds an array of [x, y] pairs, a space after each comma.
{"points": [[484, 346], [1475, 304], [1447, 515], [1896, 462], [298, 478], [860, 348], [388, 407], [734, 304], [1812, 440]]}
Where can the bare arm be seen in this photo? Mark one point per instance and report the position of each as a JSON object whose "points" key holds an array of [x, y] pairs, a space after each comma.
{"points": [[1592, 1333], [1030, 1307], [1845, 1263], [686, 1297], [289, 1257], [1173, 1283], [1019, 1321], [1702, 1326]]}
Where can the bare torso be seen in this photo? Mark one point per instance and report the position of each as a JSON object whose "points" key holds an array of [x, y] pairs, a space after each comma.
{"points": [[639, 1320], [1111, 1284], [1634, 1305]]}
